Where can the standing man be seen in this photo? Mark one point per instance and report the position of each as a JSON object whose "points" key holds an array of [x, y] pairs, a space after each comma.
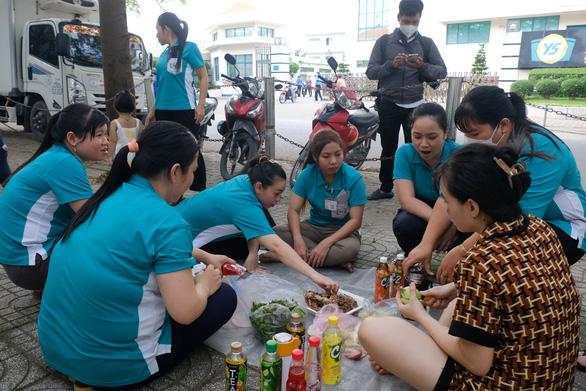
{"points": [[318, 84], [299, 85], [401, 62]]}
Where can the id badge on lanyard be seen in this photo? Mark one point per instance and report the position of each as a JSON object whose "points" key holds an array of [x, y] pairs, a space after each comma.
{"points": [[330, 203]]}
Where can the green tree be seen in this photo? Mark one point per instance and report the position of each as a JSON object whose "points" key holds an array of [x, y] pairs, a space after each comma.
{"points": [[343, 68], [133, 5], [479, 65], [293, 68]]}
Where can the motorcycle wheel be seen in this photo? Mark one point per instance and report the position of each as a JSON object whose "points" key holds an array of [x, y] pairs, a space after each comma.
{"points": [[233, 161], [358, 161], [299, 165], [282, 98]]}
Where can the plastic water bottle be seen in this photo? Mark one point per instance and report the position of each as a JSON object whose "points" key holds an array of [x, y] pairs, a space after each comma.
{"points": [[313, 364]]}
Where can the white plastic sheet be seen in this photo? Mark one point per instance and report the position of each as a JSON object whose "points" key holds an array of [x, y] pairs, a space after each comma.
{"points": [[285, 283]]}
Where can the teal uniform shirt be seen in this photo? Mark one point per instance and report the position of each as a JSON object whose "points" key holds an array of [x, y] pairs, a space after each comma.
{"points": [[35, 205], [226, 210], [410, 166], [556, 193], [103, 320], [176, 88], [330, 205]]}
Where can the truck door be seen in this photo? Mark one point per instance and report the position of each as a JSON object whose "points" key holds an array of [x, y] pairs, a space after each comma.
{"points": [[41, 73]]}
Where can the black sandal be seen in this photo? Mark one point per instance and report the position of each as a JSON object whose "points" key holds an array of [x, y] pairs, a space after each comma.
{"points": [[581, 367]]}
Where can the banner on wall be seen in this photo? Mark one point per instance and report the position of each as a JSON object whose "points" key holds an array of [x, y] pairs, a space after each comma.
{"points": [[553, 49]]}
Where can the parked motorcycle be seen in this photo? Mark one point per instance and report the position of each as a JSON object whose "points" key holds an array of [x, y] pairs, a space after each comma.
{"points": [[356, 130], [288, 92], [245, 119]]}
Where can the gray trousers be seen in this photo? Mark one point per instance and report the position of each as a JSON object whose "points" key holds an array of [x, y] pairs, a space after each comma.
{"points": [[29, 277], [344, 251]]}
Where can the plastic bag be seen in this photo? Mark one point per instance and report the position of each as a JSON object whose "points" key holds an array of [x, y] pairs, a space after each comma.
{"points": [[348, 324], [271, 318], [386, 307]]}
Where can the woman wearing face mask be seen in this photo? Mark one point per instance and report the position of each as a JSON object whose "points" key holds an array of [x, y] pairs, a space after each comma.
{"points": [[511, 316], [337, 195], [42, 195], [176, 94], [228, 219], [556, 195], [415, 165]]}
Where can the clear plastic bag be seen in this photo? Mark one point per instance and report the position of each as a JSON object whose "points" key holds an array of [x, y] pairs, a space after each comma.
{"points": [[386, 307]]}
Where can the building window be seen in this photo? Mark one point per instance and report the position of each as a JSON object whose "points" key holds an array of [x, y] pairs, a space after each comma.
{"points": [[244, 63], [361, 63], [313, 39], [215, 36], [542, 23], [216, 62], [328, 41], [513, 25], [478, 32], [266, 32], [42, 43], [239, 32], [373, 19]]}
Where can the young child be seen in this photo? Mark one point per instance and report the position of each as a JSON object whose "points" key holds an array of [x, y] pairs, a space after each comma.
{"points": [[125, 127]]}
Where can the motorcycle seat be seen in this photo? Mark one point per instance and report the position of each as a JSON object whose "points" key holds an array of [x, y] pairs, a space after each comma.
{"points": [[363, 119]]}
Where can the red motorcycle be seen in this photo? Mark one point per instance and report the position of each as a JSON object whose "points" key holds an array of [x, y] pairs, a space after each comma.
{"points": [[356, 129], [245, 119]]}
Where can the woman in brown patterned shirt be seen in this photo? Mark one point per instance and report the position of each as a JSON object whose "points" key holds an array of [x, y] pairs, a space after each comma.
{"points": [[511, 318]]}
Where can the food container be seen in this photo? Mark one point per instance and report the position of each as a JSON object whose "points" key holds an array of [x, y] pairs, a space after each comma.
{"points": [[361, 301]]}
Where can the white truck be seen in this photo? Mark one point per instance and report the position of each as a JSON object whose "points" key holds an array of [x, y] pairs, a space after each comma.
{"points": [[51, 57]]}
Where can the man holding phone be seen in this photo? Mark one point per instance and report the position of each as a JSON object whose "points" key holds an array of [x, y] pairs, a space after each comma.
{"points": [[401, 62]]}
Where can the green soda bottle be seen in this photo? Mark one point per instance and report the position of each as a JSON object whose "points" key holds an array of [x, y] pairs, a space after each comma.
{"points": [[271, 368], [235, 368]]}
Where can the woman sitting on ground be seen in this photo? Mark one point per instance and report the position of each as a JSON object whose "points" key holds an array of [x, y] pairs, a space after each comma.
{"points": [[121, 305], [415, 165], [513, 294], [229, 219], [337, 195], [42, 195]]}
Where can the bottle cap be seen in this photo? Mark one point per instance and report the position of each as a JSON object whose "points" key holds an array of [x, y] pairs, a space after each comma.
{"points": [[314, 341], [236, 347], [295, 317], [297, 354], [400, 257], [271, 346], [383, 260], [333, 321]]}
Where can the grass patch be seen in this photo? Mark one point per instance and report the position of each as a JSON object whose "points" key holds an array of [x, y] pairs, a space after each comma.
{"points": [[555, 101]]}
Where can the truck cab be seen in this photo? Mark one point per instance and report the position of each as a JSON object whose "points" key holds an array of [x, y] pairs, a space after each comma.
{"points": [[58, 61]]}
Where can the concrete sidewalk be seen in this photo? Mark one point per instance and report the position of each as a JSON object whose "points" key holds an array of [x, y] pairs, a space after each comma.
{"points": [[21, 362]]}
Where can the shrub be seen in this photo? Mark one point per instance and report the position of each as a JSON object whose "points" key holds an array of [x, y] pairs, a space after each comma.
{"points": [[582, 87], [556, 73], [571, 88], [522, 87], [547, 88]]}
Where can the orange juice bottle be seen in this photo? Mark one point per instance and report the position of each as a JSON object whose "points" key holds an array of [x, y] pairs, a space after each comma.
{"points": [[382, 280]]}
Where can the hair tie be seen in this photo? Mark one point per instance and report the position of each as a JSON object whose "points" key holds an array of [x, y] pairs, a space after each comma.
{"points": [[133, 146], [516, 169]]}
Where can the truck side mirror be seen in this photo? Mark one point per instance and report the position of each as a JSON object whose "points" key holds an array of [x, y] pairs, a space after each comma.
{"points": [[62, 44]]}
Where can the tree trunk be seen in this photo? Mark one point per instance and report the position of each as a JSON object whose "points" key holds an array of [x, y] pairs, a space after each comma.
{"points": [[115, 51]]}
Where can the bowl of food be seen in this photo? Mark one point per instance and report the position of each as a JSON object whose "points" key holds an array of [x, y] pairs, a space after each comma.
{"points": [[348, 302]]}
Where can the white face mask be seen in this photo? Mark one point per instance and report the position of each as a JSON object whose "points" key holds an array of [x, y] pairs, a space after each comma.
{"points": [[470, 140], [408, 29]]}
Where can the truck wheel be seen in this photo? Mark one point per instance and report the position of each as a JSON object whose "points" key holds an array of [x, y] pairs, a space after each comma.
{"points": [[37, 119]]}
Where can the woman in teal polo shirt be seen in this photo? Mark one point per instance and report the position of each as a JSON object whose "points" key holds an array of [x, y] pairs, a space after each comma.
{"points": [[176, 95], [337, 195], [121, 305], [229, 219], [488, 115], [415, 165], [42, 195]]}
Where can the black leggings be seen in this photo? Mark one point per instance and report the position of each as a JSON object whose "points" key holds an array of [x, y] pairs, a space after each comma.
{"points": [[185, 338], [186, 118], [570, 245]]}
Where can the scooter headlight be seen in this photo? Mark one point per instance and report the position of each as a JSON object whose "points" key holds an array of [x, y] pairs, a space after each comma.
{"points": [[254, 112]]}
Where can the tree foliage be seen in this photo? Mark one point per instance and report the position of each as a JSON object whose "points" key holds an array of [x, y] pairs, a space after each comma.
{"points": [[133, 5], [479, 65], [293, 68]]}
